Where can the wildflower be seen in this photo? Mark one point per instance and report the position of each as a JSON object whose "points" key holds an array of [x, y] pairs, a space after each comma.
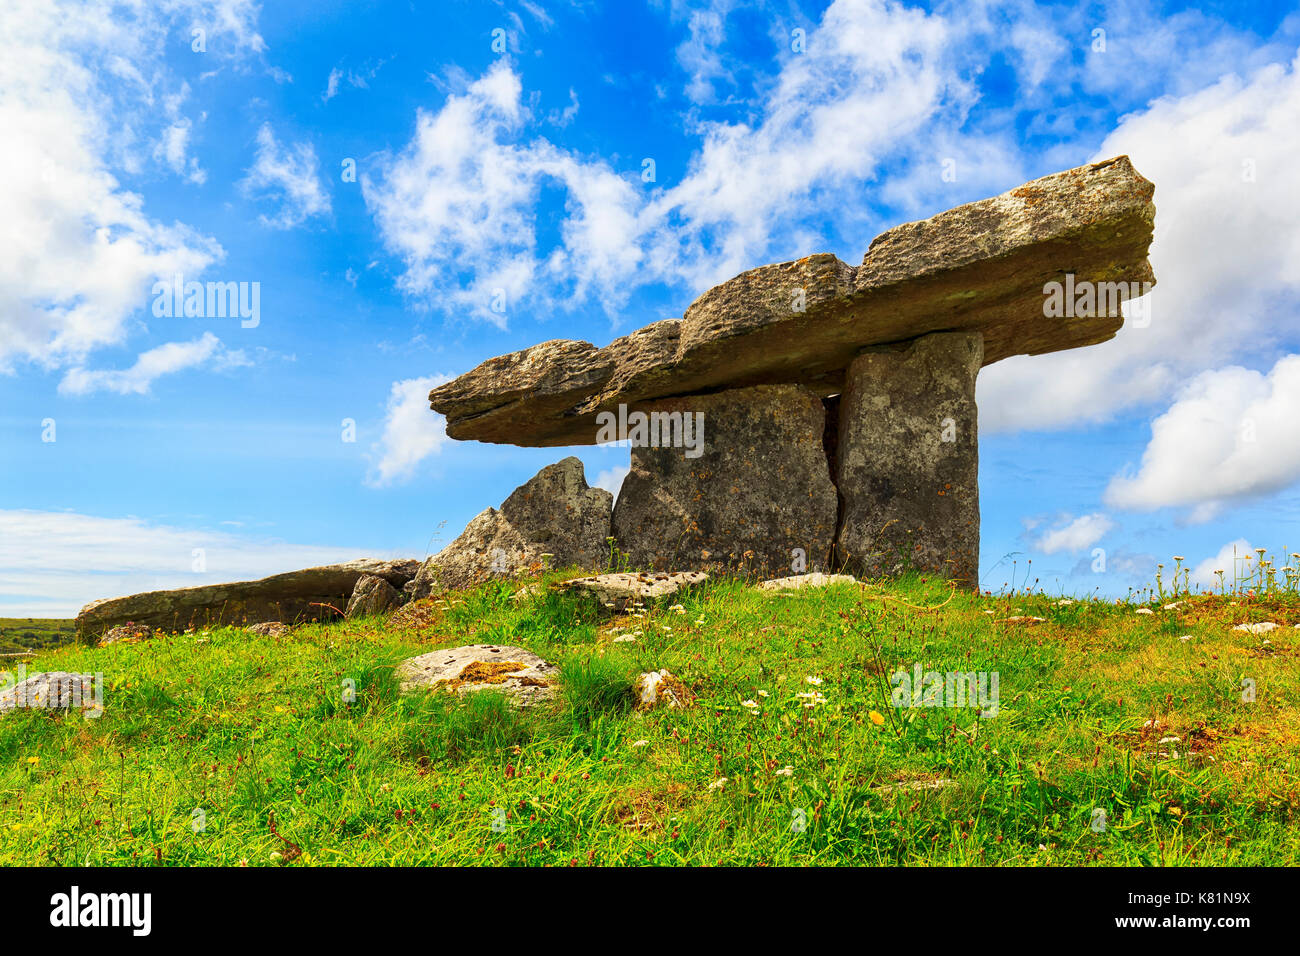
{"points": [[762, 693], [813, 680], [751, 705], [718, 784], [876, 718], [641, 743], [785, 772], [33, 759]]}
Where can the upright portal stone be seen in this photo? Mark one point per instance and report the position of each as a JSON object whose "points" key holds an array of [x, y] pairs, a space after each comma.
{"points": [[908, 458], [758, 495]]}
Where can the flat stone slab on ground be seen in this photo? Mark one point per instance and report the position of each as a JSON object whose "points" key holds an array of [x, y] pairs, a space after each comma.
{"points": [[521, 674], [815, 579], [618, 591], [53, 690], [288, 597]]}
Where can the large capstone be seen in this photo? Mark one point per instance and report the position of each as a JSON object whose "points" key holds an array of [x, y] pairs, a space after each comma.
{"points": [[754, 494], [979, 267], [908, 459]]}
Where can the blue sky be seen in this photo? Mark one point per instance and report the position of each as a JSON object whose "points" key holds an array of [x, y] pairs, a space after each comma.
{"points": [[187, 450]]}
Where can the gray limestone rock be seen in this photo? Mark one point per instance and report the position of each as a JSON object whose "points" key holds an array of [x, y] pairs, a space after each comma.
{"points": [[908, 459], [758, 496]]}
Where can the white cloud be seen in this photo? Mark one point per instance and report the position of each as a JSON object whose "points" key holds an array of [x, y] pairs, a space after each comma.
{"points": [[611, 479], [53, 563], [1230, 435], [289, 175], [411, 431], [460, 200], [152, 365], [458, 204], [359, 79], [1228, 560], [80, 88], [699, 54], [1226, 255], [1075, 534]]}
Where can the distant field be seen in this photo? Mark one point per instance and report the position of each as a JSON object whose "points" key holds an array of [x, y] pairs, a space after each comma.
{"points": [[34, 633]]}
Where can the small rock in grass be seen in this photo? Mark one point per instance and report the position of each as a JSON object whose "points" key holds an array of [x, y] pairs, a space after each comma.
{"points": [[372, 595], [126, 632], [656, 688], [1263, 627], [269, 629], [524, 677], [816, 579], [617, 592], [54, 690]]}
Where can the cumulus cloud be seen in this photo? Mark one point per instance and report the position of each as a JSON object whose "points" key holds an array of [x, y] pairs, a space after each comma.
{"points": [[411, 431], [152, 365], [458, 204], [1230, 435], [52, 562], [459, 200], [611, 479], [1207, 306], [287, 175], [1229, 561], [1074, 534], [80, 87]]}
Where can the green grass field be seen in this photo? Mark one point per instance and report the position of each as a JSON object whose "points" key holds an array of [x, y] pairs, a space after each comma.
{"points": [[18, 634], [226, 748]]}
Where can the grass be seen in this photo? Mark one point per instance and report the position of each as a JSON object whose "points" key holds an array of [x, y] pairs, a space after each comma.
{"points": [[224, 748], [21, 634]]}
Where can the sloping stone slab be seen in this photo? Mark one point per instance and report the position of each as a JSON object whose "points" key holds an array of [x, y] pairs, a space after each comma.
{"points": [[814, 579], [979, 267], [555, 513], [621, 590], [290, 597], [520, 674], [755, 494]]}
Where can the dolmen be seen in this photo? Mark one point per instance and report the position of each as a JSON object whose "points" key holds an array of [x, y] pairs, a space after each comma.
{"points": [[817, 416]]}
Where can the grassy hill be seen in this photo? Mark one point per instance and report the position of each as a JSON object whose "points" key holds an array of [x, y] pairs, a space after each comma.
{"points": [[225, 748], [34, 633]]}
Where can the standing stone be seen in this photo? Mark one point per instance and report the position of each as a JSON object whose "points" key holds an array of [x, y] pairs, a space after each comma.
{"points": [[758, 495], [909, 461], [372, 595], [554, 513]]}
